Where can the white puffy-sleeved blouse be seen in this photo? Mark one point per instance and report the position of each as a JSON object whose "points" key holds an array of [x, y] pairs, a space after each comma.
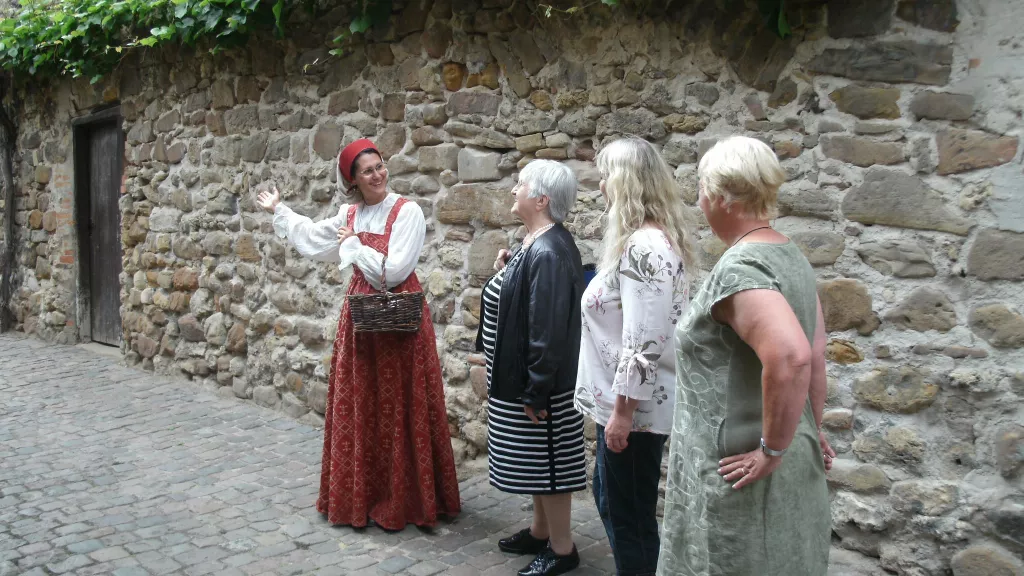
{"points": [[319, 240], [629, 319]]}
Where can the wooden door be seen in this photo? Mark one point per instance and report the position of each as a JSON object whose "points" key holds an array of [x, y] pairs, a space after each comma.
{"points": [[105, 150]]}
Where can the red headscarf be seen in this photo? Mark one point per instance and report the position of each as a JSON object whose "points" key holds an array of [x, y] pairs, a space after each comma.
{"points": [[348, 155]]}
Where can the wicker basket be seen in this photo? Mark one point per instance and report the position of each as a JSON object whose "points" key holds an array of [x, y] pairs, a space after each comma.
{"points": [[386, 311]]}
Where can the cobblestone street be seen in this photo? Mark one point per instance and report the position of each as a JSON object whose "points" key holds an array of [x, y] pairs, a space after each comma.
{"points": [[111, 470]]}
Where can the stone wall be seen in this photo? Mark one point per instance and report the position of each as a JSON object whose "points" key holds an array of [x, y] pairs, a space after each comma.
{"points": [[896, 120]]}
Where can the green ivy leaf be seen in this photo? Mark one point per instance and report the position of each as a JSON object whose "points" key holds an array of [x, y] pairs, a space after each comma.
{"points": [[610, 2], [278, 7], [360, 24], [774, 14], [783, 24]]}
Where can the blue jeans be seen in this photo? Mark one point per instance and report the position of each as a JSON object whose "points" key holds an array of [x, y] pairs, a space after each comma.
{"points": [[626, 493]]}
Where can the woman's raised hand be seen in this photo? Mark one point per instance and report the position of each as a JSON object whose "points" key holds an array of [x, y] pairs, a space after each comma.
{"points": [[269, 199]]}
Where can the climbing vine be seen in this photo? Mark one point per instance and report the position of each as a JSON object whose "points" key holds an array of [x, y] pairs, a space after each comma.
{"points": [[90, 37]]}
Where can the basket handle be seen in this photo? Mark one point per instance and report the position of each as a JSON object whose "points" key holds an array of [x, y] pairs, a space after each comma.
{"points": [[383, 275]]}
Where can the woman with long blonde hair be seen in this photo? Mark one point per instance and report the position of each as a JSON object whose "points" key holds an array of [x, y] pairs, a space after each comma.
{"points": [[630, 309]]}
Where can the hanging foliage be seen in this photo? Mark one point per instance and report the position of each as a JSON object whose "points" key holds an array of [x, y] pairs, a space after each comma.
{"points": [[89, 37]]}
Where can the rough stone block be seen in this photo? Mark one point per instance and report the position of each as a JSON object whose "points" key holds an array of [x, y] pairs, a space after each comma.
{"points": [[820, 248], [344, 101], [966, 150], [997, 255], [942, 105], [523, 46], [857, 477], [223, 94], [867, 102], [436, 40], [529, 143], [924, 309], [185, 279], [998, 324], [898, 445], [391, 141], [478, 165], [266, 396], [242, 119], [473, 135], [473, 101], [639, 122], [855, 20], [217, 243], [393, 107], [925, 497], [327, 141], [531, 121], [837, 419], [578, 124], [484, 250], [803, 201], [191, 329], [846, 304], [898, 257], [785, 92], [842, 352], [429, 136], [440, 157], [862, 151], [938, 15], [888, 62], [903, 390], [163, 219], [893, 198], [254, 148]]}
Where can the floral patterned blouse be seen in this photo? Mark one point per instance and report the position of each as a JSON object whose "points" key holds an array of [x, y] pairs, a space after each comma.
{"points": [[629, 319]]}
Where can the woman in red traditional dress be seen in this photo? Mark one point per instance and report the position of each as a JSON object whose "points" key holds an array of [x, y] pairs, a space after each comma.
{"points": [[387, 450]]}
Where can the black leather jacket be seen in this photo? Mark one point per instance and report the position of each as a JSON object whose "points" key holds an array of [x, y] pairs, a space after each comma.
{"points": [[537, 345]]}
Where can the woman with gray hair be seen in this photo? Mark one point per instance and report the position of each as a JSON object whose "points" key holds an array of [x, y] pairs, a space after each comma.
{"points": [[530, 334], [746, 487]]}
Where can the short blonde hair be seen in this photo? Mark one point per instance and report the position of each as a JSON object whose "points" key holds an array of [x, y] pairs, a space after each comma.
{"points": [[641, 188], [744, 172]]}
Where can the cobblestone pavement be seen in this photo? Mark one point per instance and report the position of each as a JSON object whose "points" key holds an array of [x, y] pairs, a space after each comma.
{"points": [[111, 470]]}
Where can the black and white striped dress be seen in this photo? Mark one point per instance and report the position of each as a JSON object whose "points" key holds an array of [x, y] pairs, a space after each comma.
{"points": [[523, 457]]}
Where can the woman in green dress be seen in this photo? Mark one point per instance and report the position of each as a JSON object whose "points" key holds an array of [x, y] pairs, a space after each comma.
{"points": [[746, 488]]}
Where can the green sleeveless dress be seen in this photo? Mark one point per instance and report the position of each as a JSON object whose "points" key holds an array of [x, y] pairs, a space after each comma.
{"points": [[779, 526]]}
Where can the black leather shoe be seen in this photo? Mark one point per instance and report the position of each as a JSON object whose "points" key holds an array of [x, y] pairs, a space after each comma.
{"points": [[523, 542], [547, 563]]}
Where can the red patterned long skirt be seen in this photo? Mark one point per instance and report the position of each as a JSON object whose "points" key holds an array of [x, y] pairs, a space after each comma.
{"points": [[387, 450]]}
